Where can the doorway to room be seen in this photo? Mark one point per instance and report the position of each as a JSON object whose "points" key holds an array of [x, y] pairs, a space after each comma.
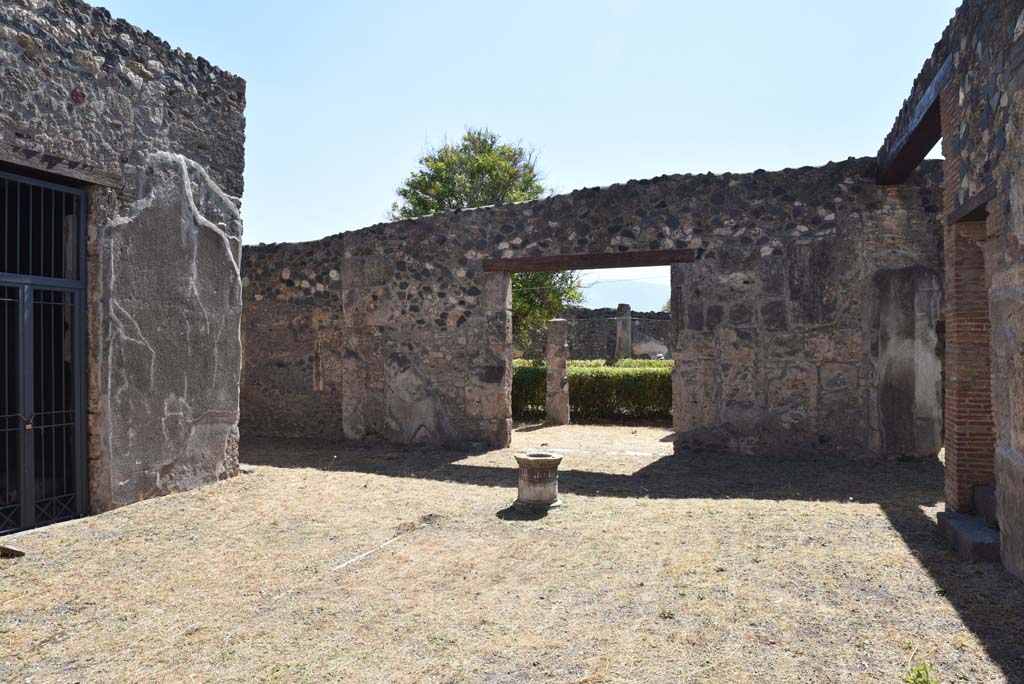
{"points": [[43, 369]]}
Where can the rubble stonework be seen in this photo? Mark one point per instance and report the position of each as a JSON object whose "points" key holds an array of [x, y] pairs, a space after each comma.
{"points": [[982, 116], [164, 289], [806, 349], [81, 85], [322, 317], [593, 334]]}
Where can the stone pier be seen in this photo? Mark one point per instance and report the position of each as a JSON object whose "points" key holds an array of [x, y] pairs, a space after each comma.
{"points": [[624, 332], [556, 404]]}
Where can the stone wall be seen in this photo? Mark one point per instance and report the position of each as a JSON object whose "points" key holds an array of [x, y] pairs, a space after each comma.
{"points": [[592, 334], [982, 112], [803, 344], [396, 331], [81, 91]]}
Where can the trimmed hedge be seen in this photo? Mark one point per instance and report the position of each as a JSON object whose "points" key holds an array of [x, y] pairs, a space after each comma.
{"points": [[645, 363], [598, 392], [529, 391], [636, 393], [598, 363]]}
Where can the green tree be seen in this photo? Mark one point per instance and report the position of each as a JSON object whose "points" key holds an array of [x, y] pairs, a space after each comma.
{"points": [[481, 170], [539, 297]]}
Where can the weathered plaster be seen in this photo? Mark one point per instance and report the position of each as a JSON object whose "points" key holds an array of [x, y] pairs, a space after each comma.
{"points": [[164, 296], [170, 376]]}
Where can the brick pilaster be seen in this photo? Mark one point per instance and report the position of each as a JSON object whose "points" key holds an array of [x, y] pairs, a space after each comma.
{"points": [[969, 424]]}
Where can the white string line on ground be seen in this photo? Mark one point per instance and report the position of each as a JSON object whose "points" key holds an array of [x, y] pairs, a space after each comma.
{"points": [[364, 554]]}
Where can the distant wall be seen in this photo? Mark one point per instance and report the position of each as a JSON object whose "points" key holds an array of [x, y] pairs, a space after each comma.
{"points": [[592, 334]]}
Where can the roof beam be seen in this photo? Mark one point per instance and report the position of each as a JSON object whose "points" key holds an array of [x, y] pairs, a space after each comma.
{"points": [[899, 159], [569, 262]]}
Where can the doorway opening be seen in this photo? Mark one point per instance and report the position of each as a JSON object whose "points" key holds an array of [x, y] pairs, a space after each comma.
{"points": [[43, 368], [610, 365]]}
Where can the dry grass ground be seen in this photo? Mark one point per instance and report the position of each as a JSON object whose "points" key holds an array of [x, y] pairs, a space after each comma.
{"points": [[658, 569]]}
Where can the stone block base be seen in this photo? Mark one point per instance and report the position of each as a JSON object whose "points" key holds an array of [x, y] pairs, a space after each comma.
{"points": [[974, 541]]}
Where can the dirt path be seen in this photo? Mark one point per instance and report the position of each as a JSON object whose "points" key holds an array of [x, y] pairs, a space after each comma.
{"points": [[659, 568]]}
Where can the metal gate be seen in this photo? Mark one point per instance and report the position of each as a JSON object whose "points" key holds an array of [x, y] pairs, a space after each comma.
{"points": [[42, 396]]}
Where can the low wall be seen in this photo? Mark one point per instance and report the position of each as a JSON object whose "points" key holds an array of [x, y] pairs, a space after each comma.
{"points": [[592, 334]]}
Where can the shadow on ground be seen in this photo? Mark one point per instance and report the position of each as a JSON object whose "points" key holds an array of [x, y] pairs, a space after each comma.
{"points": [[514, 513], [990, 602], [693, 475]]}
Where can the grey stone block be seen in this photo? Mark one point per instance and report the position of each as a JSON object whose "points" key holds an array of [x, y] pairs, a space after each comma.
{"points": [[985, 505], [974, 541]]}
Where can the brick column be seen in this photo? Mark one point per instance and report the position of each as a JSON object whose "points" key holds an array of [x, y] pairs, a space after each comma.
{"points": [[624, 332], [556, 403], [970, 429]]}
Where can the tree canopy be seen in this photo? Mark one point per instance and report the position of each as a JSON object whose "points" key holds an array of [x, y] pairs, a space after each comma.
{"points": [[481, 170], [477, 171]]}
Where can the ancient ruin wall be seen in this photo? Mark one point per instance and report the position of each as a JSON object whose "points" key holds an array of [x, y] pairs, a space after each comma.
{"points": [[592, 334], [811, 347], [982, 108], [395, 330], [84, 91]]}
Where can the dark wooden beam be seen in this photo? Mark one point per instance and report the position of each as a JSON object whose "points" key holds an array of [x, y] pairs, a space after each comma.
{"points": [[918, 137], [56, 168], [569, 262], [975, 208]]}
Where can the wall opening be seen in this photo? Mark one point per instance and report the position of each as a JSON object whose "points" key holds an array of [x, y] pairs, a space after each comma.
{"points": [[613, 351], [43, 371], [970, 431], [624, 259]]}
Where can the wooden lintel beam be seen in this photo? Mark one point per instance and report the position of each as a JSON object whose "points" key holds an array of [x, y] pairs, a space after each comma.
{"points": [[974, 209], [918, 137], [35, 160], [567, 262]]}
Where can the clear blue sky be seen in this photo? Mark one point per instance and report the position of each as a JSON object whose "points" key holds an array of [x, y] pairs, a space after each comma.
{"points": [[343, 97]]}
